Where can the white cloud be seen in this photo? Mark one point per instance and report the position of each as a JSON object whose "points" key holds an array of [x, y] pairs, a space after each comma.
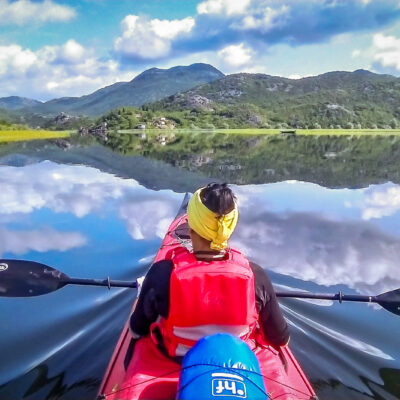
{"points": [[228, 7], [236, 56], [298, 76], [54, 71], [381, 202], [313, 247], [149, 217], [22, 12], [232, 33], [250, 15], [260, 24], [81, 191], [41, 240], [387, 50], [264, 21], [62, 188], [296, 246], [170, 29], [14, 59], [150, 38], [72, 51], [355, 53]]}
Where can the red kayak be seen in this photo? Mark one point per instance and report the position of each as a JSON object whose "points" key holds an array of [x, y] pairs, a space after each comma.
{"points": [[151, 375]]}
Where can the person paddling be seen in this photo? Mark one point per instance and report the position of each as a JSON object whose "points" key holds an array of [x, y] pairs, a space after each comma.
{"points": [[213, 288]]}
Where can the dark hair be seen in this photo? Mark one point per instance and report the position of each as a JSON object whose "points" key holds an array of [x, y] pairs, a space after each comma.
{"points": [[218, 197]]}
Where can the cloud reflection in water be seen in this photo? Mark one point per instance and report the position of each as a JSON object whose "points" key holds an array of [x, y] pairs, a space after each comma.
{"points": [[324, 244], [41, 240], [62, 188], [80, 191], [297, 229], [381, 201]]}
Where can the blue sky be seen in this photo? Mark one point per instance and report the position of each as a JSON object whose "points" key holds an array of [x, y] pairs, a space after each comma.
{"points": [[54, 48]]}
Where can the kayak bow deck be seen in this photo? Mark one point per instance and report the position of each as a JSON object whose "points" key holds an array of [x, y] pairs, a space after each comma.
{"points": [[151, 375]]}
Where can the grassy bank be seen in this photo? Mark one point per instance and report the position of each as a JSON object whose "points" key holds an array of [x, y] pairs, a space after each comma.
{"points": [[315, 132], [22, 135], [308, 132]]}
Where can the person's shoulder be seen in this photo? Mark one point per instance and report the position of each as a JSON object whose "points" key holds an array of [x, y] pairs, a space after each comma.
{"points": [[261, 278], [159, 269], [258, 270], [162, 263]]}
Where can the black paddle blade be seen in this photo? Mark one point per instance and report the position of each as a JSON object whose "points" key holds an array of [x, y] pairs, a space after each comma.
{"points": [[20, 278], [390, 301]]}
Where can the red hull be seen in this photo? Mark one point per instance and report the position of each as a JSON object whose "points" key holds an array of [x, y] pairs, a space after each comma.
{"points": [[152, 376]]}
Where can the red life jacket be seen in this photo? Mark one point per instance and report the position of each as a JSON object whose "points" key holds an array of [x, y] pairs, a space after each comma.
{"points": [[206, 298]]}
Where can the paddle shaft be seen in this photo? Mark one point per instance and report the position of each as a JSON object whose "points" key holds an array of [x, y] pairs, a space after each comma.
{"points": [[302, 295], [20, 278], [328, 296], [101, 282]]}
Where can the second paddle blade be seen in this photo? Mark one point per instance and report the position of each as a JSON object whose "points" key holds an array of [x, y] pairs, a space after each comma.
{"points": [[390, 301], [20, 278]]}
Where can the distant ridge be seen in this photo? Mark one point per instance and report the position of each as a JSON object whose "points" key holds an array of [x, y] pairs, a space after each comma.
{"points": [[205, 97], [151, 85], [17, 103]]}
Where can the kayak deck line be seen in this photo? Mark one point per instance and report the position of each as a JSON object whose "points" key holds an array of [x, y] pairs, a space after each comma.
{"points": [[156, 377], [227, 375]]}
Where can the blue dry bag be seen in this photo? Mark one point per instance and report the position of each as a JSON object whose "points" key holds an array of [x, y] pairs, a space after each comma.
{"points": [[221, 367]]}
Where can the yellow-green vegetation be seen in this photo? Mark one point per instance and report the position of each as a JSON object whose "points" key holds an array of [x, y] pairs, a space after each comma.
{"points": [[308, 132], [313, 132], [22, 135], [341, 132]]}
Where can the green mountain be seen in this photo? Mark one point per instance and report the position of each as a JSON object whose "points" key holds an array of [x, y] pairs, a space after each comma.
{"points": [[16, 103], [8, 116], [151, 85], [332, 100], [5, 115], [9, 120]]}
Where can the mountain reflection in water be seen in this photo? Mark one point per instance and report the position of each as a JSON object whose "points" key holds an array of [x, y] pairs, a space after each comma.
{"points": [[332, 161], [89, 223]]}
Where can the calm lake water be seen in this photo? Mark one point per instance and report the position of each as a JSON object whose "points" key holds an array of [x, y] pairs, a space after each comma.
{"points": [[320, 215]]}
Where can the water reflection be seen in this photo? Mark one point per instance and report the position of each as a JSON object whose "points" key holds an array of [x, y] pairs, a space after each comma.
{"points": [[334, 161], [19, 242], [323, 241], [380, 201], [295, 228], [337, 336], [190, 159], [90, 223], [80, 191]]}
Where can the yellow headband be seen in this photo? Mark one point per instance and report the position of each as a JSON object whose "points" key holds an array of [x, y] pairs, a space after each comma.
{"points": [[209, 225]]}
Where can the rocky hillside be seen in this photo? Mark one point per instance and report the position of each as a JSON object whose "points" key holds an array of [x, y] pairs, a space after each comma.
{"points": [[335, 99], [151, 85]]}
